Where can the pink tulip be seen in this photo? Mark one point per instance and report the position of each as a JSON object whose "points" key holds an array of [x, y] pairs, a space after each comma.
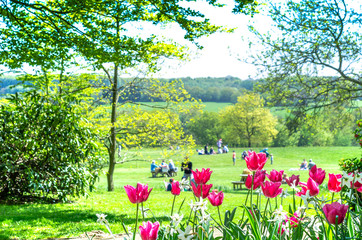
{"points": [[333, 210], [216, 198], [271, 189], [333, 184], [317, 174], [259, 178], [175, 188], [138, 194], [311, 185], [255, 161], [149, 231], [275, 176], [294, 179], [201, 190], [202, 177]]}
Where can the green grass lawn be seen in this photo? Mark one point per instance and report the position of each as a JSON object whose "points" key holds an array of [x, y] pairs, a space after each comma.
{"points": [[41, 221]]}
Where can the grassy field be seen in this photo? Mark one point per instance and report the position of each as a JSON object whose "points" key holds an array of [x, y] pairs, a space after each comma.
{"points": [[42, 221]]}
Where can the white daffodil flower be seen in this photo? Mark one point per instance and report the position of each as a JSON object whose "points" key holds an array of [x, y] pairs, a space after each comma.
{"points": [[323, 201], [279, 215], [185, 184], [294, 186], [357, 177], [306, 199], [346, 180], [284, 194], [169, 230], [101, 218], [176, 219], [198, 205], [299, 211], [205, 218], [185, 235]]}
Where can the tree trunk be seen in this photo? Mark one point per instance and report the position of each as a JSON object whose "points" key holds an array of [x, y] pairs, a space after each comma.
{"points": [[113, 142], [249, 142]]}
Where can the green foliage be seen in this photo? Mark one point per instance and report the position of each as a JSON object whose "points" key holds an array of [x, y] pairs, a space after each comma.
{"points": [[351, 164], [248, 122], [47, 149], [206, 127], [313, 35]]}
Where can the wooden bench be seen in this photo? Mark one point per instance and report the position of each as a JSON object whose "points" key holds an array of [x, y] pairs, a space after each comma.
{"points": [[238, 185]]}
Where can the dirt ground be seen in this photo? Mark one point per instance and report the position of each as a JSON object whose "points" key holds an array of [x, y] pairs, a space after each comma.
{"points": [[96, 235]]}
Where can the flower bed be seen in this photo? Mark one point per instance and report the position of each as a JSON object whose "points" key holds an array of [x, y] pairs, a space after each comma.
{"points": [[310, 216]]}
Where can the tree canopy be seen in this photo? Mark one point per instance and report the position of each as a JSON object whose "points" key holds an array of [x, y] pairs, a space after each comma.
{"points": [[310, 37], [248, 121]]}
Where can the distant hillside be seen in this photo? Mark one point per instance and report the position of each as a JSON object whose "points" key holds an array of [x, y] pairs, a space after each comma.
{"points": [[208, 89]]}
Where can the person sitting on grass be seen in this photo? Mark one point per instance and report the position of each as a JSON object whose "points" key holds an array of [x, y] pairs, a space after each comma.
{"points": [[310, 164]]}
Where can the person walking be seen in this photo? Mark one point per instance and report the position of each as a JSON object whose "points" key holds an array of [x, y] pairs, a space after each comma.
{"points": [[234, 157]]}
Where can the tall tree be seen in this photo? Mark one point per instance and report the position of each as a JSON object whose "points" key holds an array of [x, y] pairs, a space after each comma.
{"points": [[99, 31], [248, 121], [308, 37]]}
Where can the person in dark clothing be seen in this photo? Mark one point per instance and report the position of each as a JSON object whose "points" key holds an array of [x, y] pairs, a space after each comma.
{"points": [[206, 151], [187, 167], [169, 186]]}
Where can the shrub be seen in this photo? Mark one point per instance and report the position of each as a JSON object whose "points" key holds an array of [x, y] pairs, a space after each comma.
{"points": [[46, 149]]}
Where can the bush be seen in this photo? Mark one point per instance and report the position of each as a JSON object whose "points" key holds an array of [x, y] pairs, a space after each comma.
{"points": [[45, 149]]}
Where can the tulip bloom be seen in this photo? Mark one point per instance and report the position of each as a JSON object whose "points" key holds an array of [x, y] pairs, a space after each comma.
{"points": [[202, 177], [333, 184], [175, 190], [333, 210], [271, 189], [216, 198], [256, 161], [259, 178], [275, 176], [311, 185], [317, 174], [139, 194], [201, 190], [292, 180], [149, 231]]}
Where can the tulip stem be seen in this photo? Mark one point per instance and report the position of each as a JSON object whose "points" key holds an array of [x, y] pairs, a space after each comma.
{"points": [[143, 212], [294, 207], [251, 195], [135, 227], [173, 203], [218, 210], [276, 202], [332, 196], [266, 206]]}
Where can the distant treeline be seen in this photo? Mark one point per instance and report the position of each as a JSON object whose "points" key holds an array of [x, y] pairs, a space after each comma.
{"points": [[209, 89]]}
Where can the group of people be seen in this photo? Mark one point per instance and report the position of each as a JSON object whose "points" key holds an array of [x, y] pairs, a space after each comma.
{"points": [[306, 166], [169, 168], [220, 149]]}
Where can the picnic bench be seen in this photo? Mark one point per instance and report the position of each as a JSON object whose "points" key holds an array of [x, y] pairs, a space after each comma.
{"points": [[164, 171], [238, 185]]}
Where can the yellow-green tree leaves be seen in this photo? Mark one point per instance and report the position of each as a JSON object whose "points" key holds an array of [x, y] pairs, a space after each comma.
{"points": [[248, 123]]}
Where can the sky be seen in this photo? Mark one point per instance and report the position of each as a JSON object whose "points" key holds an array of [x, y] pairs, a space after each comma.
{"points": [[221, 52]]}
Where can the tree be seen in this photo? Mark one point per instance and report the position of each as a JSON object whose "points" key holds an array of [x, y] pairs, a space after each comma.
{"points": [[248, 121], [312, 36], [206, 127], [98, 31], [47, 149]]}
